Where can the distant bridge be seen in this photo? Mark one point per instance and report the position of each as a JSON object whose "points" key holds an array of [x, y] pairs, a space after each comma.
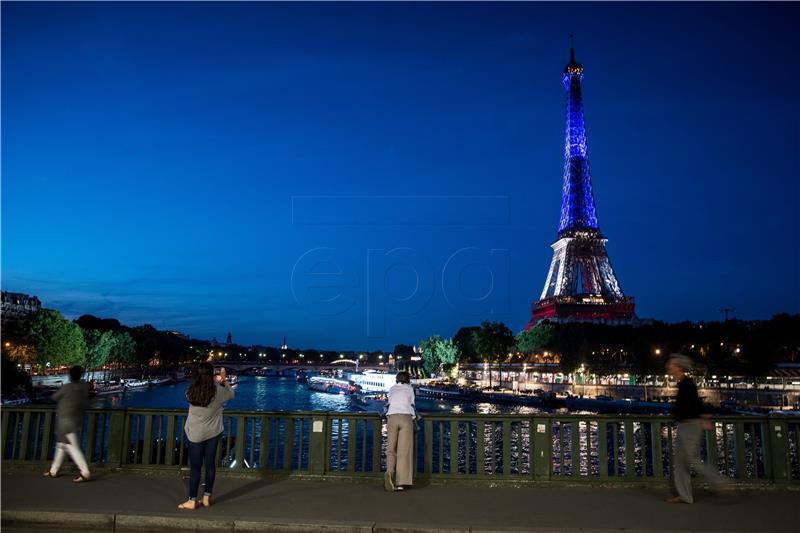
{"points": [[288, 368]]}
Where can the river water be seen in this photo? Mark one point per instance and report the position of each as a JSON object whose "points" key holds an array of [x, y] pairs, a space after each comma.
{"points": [[267, 393]]}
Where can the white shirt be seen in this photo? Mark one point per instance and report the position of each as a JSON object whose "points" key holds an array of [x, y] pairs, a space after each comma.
{"points": [[401, 400]]}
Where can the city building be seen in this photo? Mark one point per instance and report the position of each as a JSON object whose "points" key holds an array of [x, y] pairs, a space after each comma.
{"points": [[17, 305]]}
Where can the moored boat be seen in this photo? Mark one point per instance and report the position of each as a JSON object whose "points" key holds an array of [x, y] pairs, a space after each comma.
{"points": [[331, 385], [372, 402]]}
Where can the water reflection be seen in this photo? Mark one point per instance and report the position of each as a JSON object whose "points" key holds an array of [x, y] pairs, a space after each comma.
{"points": [[266, 393]]}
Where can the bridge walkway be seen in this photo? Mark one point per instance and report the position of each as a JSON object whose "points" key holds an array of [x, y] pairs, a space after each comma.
{"points": [[115, 501]]}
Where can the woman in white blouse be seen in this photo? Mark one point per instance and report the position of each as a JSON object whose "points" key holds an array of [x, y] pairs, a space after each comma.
{"points": [[400, 429]]}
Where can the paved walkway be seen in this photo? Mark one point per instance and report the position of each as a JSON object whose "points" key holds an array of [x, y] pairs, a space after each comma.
{"points": [[137, 502]]}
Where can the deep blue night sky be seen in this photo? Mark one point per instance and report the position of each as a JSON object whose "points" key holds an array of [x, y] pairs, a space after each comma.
{"points": [[250, 167]]}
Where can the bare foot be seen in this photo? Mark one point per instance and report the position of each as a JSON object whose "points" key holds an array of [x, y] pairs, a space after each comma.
{"points": [[206, 501], [189, 505]]}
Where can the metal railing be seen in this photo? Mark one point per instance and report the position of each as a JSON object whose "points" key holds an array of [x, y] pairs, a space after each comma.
{"points": [[517, 448]]}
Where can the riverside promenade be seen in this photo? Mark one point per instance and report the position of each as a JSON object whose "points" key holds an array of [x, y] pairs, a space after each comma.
{"points": [[115, 501]]}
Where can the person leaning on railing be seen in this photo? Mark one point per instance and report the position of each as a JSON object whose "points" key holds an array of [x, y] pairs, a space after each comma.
{"points": [[400, 415], [203, 429]]}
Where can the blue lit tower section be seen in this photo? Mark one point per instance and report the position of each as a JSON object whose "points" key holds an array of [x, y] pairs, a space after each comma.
{"points": [[577, 201], [581, 284]]}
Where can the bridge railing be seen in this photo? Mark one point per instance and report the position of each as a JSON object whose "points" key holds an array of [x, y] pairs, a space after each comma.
{"points": [[518, 448]]}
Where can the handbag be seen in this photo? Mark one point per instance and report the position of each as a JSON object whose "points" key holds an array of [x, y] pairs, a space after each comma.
{"points": [[417, 418]]}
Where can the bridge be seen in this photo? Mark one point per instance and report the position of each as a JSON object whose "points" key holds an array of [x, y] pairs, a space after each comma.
{"points": [[472, 473], [291, 368]]}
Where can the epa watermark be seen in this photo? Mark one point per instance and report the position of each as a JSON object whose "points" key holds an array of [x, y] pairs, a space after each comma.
{"points": [[382, 283]]}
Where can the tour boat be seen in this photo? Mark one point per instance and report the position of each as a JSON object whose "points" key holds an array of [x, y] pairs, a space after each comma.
{"points": [[371, 381], [331, 385], [16, 399], [372, 402], [136, 384]]}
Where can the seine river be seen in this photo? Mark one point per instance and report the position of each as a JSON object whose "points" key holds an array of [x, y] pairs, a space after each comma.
{"points": [[259, 393]]}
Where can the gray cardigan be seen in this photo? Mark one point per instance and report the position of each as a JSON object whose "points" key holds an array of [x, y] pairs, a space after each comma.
{"points": [[204, 423]]}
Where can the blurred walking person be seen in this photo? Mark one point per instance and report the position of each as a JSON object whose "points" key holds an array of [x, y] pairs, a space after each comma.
{"points": [[72, 399], [400, 429], [203, 429], [690, 427]]}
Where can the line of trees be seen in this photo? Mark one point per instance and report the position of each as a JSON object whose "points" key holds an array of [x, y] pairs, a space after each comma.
{"points": [[733, 347], [46, 339]]}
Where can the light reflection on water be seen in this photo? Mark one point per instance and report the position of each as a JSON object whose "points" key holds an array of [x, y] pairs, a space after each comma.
{"points": [[275, 394], [260, 393]]}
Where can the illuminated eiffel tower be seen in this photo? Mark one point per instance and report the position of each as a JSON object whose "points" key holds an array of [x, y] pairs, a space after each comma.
{"points": [[581, 285]]}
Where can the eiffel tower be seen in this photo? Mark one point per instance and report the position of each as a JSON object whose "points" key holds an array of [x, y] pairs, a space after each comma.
{"points": [[581, 285]]}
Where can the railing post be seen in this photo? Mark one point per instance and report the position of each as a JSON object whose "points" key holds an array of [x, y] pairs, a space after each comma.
{"points": [[116, 439], [778, 458], [317, 452], [542, 446]]}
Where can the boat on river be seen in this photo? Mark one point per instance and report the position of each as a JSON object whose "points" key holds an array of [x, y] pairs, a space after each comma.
{"points": [[371, 402], [372, 381], [103, 388], [450, 391], [331, 385], [16, 399]]}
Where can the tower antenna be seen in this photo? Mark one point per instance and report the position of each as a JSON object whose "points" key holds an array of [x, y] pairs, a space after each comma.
{"points": [[571, 48]]}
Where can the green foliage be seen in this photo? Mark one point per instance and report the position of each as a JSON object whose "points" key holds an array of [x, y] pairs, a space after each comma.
{"points": [[463, 340], [536, 339], [13, 378], [403, 350], [124, 349], [493, 340], [98, 347], [54, 338], [437, 354]]}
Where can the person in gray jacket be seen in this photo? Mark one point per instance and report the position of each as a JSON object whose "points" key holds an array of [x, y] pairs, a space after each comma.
{"points": [[203, 428], [72, 400]]}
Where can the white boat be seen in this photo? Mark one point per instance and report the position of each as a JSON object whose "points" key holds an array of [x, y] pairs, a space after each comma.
{"points": [[20, 399], [371, 381], [331, 385], [136, 384]]}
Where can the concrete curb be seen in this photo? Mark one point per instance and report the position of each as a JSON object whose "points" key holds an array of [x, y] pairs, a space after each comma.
{"points": [[66, 521], [63, 520], [133, 523], [283, 526]]}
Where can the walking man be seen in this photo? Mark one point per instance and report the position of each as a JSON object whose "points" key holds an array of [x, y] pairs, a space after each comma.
{"points": [[72, 400], [690, 426]]}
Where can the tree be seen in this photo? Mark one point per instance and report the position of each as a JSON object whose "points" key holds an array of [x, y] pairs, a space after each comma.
{"points": [[463, 341], [124, 349], [536, 339], [403, 350], [493, 341], [437, 354], [55, 339], [146, 338], [98, 347]]}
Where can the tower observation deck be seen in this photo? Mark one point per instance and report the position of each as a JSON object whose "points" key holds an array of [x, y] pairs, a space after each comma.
{"points": [[581, 284]]}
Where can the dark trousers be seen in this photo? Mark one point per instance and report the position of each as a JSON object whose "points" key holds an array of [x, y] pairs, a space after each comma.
{"points": [[199, 453]]}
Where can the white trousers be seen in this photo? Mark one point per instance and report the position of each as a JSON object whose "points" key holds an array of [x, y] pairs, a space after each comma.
{"points": [[75, 453]]}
